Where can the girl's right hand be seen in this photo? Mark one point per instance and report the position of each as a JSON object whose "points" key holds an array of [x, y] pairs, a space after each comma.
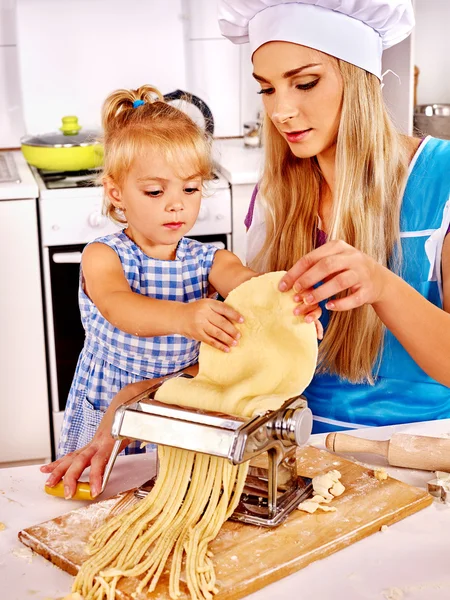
{"points": [[71, 466], [210, 321]]}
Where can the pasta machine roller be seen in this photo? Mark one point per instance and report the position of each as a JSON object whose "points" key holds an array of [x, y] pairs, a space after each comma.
{"points": [[272, 490]]}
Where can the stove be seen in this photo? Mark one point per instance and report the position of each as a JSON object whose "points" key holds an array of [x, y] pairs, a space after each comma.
{"points": [[70, 215]]}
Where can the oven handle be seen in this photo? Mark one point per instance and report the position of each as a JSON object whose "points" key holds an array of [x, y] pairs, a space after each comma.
{"points": [[67, 257]]}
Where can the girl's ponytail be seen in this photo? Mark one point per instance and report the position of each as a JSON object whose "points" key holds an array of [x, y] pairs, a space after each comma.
{"points": [[121, 101]]}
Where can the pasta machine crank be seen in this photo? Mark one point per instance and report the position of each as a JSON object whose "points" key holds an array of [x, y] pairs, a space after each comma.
{"points": [[272, 490]]}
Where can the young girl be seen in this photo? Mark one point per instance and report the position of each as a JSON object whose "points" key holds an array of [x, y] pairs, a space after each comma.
{"points": [[144, 291], [356, 212]]}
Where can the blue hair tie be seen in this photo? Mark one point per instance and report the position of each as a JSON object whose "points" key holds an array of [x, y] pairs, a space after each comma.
{"points": [[137, 103]]}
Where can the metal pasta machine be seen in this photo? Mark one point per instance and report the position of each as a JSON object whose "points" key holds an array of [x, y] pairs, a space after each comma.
{"points": [[272, 490]]}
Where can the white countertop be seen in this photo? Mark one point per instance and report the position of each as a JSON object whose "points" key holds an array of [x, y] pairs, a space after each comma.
{"points": [[27, 188], [409, 561], [238, 163]]}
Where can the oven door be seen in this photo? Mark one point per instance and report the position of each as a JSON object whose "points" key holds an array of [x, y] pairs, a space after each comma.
{"points": [[65, 333]]}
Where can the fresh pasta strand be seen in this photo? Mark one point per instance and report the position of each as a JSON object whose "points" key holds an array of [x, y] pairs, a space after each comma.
{"points": [[195, 494]]}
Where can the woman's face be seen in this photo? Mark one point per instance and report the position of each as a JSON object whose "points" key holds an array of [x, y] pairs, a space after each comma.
{"points": [[302, 92]]}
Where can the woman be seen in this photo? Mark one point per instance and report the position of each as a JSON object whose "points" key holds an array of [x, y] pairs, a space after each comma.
{"points": [[336, 169]]}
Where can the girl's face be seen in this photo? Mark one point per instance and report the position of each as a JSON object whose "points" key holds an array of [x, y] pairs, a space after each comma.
{"points": [[302, 92], [160, 205]]}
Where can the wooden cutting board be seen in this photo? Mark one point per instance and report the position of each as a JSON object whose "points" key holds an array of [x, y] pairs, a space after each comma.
{"points": [[247, 557]]}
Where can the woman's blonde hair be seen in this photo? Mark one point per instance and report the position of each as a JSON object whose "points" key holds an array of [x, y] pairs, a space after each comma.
{"points": [[130, 128], [370, 175]]}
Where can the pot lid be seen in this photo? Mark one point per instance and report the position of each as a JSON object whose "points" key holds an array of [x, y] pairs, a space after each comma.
{"points": [[71, 135]]}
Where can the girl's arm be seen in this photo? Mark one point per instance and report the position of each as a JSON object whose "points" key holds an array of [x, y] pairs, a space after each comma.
{"points": [[228, 272], [105, 284], [422, 328], [205, 320]]}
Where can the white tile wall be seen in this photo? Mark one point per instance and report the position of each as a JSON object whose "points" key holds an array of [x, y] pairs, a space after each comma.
{"points": [[83, 49], [219, 71], [399, 91], [11, 122], [432, 50], [215, 78]]}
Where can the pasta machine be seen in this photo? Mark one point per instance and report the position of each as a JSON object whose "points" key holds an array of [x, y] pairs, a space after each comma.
{"points": [[272, 490]]}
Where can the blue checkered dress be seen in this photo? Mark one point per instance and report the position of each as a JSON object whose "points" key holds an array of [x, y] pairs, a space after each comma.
{"points": [[111, 358]]}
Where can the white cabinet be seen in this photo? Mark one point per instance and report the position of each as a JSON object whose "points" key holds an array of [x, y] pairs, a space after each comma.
{"points": [[24, 407]]}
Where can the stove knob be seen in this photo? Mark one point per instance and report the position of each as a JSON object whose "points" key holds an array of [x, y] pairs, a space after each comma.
{"points": [[96, 220], [297, 425], [203, 213]]}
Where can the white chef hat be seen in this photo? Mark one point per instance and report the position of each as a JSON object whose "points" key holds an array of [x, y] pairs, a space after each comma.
{"points": [[356, 31]]}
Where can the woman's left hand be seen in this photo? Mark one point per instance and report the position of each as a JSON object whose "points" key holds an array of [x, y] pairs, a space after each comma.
{"points": [[340, 267]]}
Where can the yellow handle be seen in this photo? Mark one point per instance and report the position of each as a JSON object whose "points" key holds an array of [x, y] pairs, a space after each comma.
{"points": [[70, 126], [83, 491]]}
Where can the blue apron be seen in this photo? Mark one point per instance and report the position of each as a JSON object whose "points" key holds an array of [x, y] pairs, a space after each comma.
{"points": [[403, 392]]}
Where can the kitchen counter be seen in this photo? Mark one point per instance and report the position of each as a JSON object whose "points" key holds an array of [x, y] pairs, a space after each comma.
{"points": [[26, 188], [240, 164], [408, 561]]}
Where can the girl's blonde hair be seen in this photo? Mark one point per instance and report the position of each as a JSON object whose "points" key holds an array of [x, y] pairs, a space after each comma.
{"points": [[371, 172], [130, 129]]}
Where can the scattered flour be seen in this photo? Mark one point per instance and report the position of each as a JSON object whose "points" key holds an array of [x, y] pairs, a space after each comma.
{"points": [[394, 594], [24, 553]]}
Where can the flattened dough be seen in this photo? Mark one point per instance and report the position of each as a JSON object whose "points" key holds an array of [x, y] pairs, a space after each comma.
{"points": [[275, 359]]}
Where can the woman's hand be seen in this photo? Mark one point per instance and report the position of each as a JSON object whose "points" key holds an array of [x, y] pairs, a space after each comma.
{"points": [[210, 321], [340, 267]]}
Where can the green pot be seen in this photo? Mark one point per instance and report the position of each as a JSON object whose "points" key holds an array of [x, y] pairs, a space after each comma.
{"points": [[71, 150]]}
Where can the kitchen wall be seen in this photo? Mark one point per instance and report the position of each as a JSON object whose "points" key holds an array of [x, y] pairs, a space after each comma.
{"points": [[432, 50], [82, 49], [73, 52], [11, 122]]}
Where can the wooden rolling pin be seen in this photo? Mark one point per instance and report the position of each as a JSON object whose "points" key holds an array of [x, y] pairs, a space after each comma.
{"points": [[402, 450]]}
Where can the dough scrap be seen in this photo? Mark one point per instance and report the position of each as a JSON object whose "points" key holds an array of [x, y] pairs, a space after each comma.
{"points": [[380, 474], [194, 494], [326, 487]]}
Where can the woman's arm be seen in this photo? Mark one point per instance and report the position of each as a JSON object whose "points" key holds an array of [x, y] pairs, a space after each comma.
{"points": [[422, 328]]}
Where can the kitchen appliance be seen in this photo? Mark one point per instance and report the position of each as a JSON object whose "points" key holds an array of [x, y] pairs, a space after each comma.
{"points": [[272, 491], [432, 119], [402, 450], [70, 150], [70, 214], [74, 149], [248, 558]]}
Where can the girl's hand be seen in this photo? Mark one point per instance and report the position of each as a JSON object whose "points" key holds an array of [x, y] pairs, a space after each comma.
{"points": [[341, 267], [95, 454], [210, 321]]}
